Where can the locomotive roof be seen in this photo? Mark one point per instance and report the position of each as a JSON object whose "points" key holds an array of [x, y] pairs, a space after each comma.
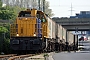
{"points": [[29, 11]]}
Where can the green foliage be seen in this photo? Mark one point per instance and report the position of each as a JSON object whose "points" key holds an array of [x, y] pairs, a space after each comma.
{"points": [[6, 47], [46, 55], [9, 13], [6, 14], [4, 39], [8, 32], [3, 29], [0, 3], [48, 10]]}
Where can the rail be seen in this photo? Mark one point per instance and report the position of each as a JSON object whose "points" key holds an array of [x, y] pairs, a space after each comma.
{"points": [[5, 57], [21, 57]]}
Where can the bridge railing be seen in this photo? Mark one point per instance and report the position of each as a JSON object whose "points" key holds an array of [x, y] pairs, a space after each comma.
{"points": [[73, 21]]}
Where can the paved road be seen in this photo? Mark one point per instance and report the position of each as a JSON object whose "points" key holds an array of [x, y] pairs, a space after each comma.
{"points": [[72, 56]]}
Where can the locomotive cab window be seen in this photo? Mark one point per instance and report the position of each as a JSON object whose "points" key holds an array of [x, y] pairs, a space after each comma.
{"points": [[41, 17], [27, 15], [24, 14], [43, 20]]}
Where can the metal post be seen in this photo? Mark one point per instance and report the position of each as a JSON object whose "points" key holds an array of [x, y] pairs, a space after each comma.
{"points": [[3, 37], [43, 5], [39, 4], [66, 41], [74, 42], [77, 42], [66, 36], [76, 36], [1, 43]]}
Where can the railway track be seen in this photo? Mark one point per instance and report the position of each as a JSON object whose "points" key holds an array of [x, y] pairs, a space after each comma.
{"points": [[15, 57], [38, 56], [22, 57]]}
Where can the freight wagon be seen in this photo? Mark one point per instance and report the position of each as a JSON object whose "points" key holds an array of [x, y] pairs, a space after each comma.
{"points": [[66, 40], [33, 30], [72, 41]]}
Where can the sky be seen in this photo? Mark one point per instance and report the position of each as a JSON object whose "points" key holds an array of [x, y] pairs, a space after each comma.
{"points": [[62, 8]]}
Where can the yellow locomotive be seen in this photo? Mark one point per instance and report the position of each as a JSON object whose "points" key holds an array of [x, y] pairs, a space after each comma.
{"points": [[30, 23], [31, 32]]}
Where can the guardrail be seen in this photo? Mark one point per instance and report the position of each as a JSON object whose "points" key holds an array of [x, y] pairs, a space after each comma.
{"points": [[69, 21], [73, 23]]}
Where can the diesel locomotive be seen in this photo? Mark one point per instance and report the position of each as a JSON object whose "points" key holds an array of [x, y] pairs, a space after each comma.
{"points": [[33, 30], [30, 31]]}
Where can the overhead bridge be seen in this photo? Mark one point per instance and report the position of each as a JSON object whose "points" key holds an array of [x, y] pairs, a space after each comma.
{"points": [[72, 24]]}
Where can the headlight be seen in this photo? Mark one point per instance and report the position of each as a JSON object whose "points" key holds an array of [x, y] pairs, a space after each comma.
{"points": [[34, 34], [44, 36], [17, 35], [41, 38], [25, 18]]}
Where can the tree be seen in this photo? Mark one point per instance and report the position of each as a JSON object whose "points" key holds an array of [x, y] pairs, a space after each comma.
{"points": [[0, 3], [47, 10], [9, 13], [32, 4], [3, 30], [5, 38], [6, 14]]}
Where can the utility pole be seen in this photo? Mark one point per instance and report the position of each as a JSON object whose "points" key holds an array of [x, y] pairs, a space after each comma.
{"points": [[71, 9], [44, 6], [39, 4]]}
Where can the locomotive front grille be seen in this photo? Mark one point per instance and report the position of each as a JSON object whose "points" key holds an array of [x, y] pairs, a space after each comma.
{"points": [[31, 44]]}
